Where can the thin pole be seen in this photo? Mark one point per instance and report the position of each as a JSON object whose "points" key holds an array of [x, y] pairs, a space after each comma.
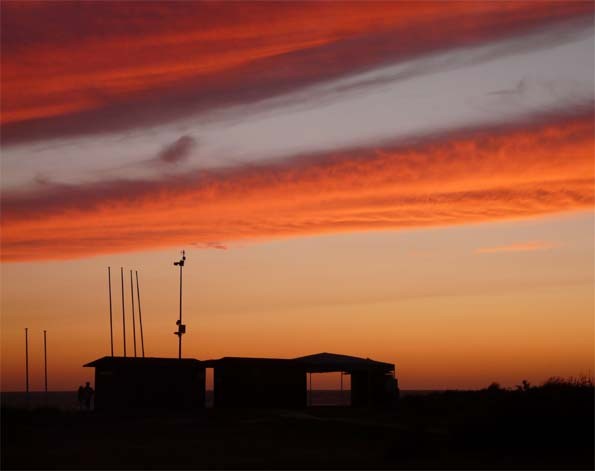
{"points": [[181, 327], [45, 359], [180, 336], [111, 325], [27, 361], [140, 317], [123, 311], [133, 321], [310, 389]]}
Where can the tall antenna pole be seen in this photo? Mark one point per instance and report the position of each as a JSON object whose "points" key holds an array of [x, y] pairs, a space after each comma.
{"points": [[123, 311], [180, 336], [140, 318], [181, 327], [111, 326], [27, 361], [133, 321], [45, 360]]}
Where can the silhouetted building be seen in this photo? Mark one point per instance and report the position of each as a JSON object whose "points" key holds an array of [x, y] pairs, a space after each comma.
{"points": [[148, 383], [171, 383], [268, 382], [372, 382], [258, 382]]}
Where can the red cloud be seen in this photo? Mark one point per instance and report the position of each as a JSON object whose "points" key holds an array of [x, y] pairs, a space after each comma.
{"points": [[464, 178], [72, 68]]}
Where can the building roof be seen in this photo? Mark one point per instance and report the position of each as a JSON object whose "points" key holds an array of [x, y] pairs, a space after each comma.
{"points": [[327, 362], [247, 360], [317, 363], [140, 361]]}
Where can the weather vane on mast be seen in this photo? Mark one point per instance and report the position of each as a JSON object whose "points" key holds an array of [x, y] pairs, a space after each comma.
{"points": [[181, 327]]}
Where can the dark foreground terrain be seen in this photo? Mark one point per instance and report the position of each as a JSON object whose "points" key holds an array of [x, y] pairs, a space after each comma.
{"points": [[546, 427]]}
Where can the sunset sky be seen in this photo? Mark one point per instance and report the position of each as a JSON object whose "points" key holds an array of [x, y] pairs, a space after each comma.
{"points": [[409, 182]]}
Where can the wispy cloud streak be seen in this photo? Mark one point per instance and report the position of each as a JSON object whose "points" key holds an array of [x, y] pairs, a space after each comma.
{"points": [[531, 246], [464, 178]]}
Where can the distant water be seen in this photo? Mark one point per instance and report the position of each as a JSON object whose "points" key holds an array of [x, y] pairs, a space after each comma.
{"points": [[67, 400]]}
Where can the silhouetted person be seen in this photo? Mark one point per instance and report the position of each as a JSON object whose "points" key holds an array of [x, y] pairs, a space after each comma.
{"points": [[88, 395], [81, 396]]}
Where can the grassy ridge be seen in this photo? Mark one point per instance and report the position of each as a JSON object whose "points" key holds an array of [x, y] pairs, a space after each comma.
{"points": [[544, 427]]}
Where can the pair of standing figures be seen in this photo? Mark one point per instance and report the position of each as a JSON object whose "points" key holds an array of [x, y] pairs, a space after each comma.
{"points": [[85, 394]]}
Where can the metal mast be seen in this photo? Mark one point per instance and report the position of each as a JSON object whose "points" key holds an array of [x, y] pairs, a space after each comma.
{"points": [[133, 321], [27, 361], [123, 311], [45, 360], [140, 317], [111, 326], [181, 327]]}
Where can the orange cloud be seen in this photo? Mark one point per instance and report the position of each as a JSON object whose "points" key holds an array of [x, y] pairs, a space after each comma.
{"points": [[72, 68], [458, 179], [530, 246]]}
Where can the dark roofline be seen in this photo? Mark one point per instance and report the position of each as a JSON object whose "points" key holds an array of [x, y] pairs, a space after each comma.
{"points": [[329, 362], [109, 361], [238, 360], [317, 363]]}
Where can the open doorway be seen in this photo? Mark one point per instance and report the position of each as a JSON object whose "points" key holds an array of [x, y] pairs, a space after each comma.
{"points": [[328, 389], [209, 387]]}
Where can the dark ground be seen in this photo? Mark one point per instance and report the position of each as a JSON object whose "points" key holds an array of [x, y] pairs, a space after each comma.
{"points": [[548, 427]]}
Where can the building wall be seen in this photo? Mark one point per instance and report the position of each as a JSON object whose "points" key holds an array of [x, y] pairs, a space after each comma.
{"points": [[260, 385], [149, 386], [372, 388]]}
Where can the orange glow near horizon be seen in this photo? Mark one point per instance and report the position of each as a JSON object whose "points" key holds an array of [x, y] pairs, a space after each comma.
{"points": [[424, 300]]}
